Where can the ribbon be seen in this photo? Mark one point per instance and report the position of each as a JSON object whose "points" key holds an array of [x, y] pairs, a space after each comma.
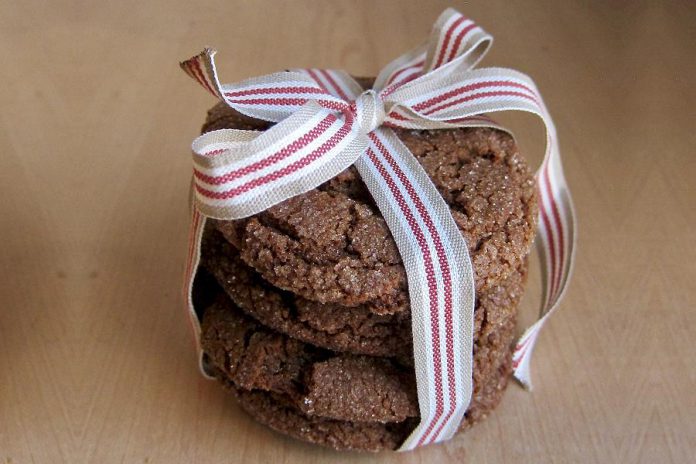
{"points": [[326, 122]]}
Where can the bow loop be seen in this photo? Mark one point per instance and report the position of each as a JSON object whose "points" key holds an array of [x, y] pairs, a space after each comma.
{"points": [[456, 42], [455, 39]]}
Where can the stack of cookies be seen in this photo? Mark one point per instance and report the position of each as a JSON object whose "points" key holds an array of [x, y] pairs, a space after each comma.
{"points": [[305, 310]]}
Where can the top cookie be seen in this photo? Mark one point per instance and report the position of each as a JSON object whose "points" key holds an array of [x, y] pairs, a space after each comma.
{"points": [[331, 244]]}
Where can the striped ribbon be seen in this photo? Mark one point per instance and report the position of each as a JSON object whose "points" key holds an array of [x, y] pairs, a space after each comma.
{"points": [[326, 122]]}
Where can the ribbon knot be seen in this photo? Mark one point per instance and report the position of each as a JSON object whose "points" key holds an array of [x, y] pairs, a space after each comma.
{"points": [[369, 111]]}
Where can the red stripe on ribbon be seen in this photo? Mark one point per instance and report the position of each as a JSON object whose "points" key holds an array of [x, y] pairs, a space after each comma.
{"points": [[467, 88], [318, 80], [271, 101], [552, 248], [522, 349], [478, 96], [215, 152], [408, 78], [477, 118], [419, 64], [396, 115], [522, 345], [392, 87], [197, 69], [327, 75], [448, 36], [274, 90], [458, 41], [329, 104], [190, 70]]}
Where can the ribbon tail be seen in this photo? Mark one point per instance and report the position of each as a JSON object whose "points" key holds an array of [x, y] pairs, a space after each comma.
{"points": [[458, 99], [440, 279], [192, 262], [272, 97], [556, 245]]}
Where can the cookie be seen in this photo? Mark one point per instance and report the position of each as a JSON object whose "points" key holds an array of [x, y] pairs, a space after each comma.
{"points": [[276, 412], [354, 329], [319, 382], [357, 329], [331, 244]]}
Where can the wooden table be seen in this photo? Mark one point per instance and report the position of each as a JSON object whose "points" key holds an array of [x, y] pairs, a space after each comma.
{"points": [[96, 362]]}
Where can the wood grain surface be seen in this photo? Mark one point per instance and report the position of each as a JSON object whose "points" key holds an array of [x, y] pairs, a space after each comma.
{"points": [[96, 361]]}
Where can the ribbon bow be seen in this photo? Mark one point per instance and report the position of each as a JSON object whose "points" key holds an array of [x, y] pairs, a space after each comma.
{"points": [[326, 122]]}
